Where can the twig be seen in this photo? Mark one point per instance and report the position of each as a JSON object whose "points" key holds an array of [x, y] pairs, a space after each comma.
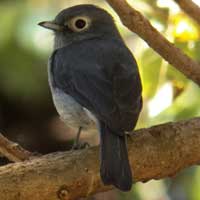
{"points": [[192, 9], [154, 153], [13, 151], [137, 23]]}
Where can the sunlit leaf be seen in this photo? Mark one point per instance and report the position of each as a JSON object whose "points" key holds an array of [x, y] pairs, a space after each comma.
{"points": [[184, 28], [150, 70]]}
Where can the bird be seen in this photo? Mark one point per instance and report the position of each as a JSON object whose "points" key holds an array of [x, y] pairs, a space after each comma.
{"points": [[95, 84]]}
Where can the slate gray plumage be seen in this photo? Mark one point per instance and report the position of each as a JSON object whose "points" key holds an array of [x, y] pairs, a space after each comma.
{"points": [[95, 83]]}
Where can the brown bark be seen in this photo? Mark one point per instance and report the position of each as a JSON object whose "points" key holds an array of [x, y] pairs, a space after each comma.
{"points": [[141, 26], [189, 7], [13, 151], [154, 153]]}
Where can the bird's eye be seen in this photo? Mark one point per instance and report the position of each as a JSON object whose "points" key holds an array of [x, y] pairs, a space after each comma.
{"points": [[79, 24]]}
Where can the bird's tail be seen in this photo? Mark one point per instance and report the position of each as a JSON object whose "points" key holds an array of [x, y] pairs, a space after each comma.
{"points": [[115, 168]]}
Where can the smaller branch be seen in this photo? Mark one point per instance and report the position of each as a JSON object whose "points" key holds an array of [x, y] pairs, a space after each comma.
{"points": [[137, 23], [13, 151], [189, 7]]}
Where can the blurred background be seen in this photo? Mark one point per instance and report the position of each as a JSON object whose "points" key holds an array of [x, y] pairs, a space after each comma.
{"points": [[27, 115]]}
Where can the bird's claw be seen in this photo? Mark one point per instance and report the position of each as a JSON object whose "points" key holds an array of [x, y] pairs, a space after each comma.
{"points": [[80, 145]]}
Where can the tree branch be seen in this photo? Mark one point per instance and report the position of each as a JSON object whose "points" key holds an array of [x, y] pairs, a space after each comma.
{"points": [[141, 26], [13, 151], [189, 7], [154, 153]]}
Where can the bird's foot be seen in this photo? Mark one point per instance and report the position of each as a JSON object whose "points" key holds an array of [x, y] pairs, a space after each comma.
{"points": [[80, 145]]}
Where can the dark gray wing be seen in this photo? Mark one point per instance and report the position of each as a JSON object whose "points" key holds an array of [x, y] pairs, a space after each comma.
{"points": [[114, 97]]}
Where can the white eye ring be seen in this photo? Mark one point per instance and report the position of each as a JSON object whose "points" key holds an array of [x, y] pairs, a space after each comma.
{"points": [[79, 23]]}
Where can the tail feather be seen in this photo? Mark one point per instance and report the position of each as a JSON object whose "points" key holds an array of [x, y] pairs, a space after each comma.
{"points": [[115, 168]]}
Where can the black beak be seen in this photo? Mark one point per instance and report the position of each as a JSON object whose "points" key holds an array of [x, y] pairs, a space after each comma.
{"points": [[51, 25]]}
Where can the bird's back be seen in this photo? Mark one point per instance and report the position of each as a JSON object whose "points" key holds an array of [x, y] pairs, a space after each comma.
{"points": [[86, 74]]}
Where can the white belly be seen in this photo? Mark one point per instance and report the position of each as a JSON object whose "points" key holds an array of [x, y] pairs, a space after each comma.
{"points": [[72, 113]]}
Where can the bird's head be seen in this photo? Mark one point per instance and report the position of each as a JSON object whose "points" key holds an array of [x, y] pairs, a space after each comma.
{"points": [[80, 22]]}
